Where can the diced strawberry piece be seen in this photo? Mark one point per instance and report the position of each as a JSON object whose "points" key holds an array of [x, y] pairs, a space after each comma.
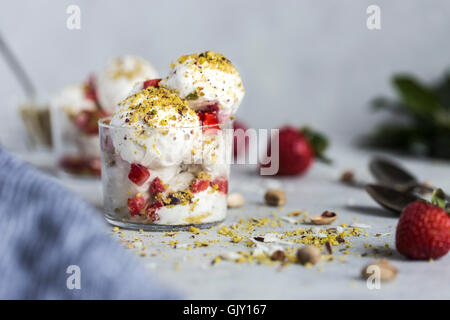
{"points": [[80, 165], [199, 185], [82, 119], [95, 166], [91, 91], [208, 119], [91, 95], [73, 164], [222, 185], [212, 108], [151, 211], [87, 121], [151, 83], [135, 205], [157, 186], [153, 216], [138, 174], [209, 116]]}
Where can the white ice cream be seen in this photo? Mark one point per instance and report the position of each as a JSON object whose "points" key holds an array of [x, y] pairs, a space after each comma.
{"points": [[165, 174], [154, 128], [180, 181], [66, 105], [119, 188], [72, 99], [88, 145], [213, 152], [119, 77], [210, 207], [207, 77]]}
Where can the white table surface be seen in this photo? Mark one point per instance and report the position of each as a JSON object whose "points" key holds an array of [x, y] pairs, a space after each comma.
{"points": [[191, 272]]}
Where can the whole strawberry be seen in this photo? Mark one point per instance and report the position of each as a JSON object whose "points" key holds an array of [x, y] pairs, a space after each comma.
{"points": [[423, 231], [238, 147], [297, 150]]}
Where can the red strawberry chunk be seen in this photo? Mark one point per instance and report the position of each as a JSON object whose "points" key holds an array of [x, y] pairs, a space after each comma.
{"points": [[138, 174], [95, 166], [87, 121], [135, 205], [209, 119], [157, 186], [222, 185], [151, 83], [82, 119], [199, 185], [81, 166], [151, 211], [212, 108], [90, 89]]}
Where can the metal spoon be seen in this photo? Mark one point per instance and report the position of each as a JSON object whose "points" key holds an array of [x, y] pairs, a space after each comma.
{"points": [[18, 70], [392, 174], [390, 198]]}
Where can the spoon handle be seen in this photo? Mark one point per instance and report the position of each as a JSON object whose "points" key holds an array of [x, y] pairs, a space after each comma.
{"points": [[426, 187], [18, 69], [430, 189]]}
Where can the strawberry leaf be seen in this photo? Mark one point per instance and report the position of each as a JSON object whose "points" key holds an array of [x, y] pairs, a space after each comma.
{"points": [[319, 142]]}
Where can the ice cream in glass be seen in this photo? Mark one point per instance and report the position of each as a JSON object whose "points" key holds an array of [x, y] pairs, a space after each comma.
{"points": [[166, 154], [77, 108]]}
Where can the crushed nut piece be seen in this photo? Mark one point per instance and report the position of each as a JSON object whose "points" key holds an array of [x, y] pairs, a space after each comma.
{"points": [[194, 230], [347, 177], [230, 256], [387, 272], [308, 254], [278, 255], [326, 217], [260, 239], [235, 200], [328, 247], [275, 197], [294, 214]]}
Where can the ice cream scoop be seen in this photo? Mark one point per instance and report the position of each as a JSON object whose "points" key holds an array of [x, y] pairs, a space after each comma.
{"points": [[118, 78], [73, 99], [154, 127], [206, 78]]}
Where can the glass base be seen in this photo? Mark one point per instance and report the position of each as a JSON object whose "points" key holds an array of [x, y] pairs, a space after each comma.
{"points": [[64, 174], [160, 227]]}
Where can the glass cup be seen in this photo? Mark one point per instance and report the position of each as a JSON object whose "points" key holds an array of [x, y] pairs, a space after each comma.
{"points": [[76, 141], [36, 120], [167, 179]]}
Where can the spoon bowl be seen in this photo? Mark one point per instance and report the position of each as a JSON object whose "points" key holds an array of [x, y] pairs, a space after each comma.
{"points": [[390, 173], [390, 198]]}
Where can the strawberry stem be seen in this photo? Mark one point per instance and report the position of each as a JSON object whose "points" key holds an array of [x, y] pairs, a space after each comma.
{"points": [[438, 198]]}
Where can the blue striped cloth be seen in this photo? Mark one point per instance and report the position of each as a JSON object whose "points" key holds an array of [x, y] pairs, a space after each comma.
{"points": [[44, 229]]}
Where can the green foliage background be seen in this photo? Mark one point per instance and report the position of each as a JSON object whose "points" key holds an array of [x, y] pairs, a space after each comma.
{"points": [[421, 118]]}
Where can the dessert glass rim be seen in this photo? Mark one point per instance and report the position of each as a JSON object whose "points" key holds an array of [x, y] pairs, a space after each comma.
{"points": [[104, 122]]}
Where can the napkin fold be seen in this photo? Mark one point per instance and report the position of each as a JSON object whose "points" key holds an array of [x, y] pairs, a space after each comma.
{"points": [[53, 245]]}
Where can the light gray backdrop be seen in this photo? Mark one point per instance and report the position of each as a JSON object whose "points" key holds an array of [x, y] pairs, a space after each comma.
{"points": [[302, 62]]}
